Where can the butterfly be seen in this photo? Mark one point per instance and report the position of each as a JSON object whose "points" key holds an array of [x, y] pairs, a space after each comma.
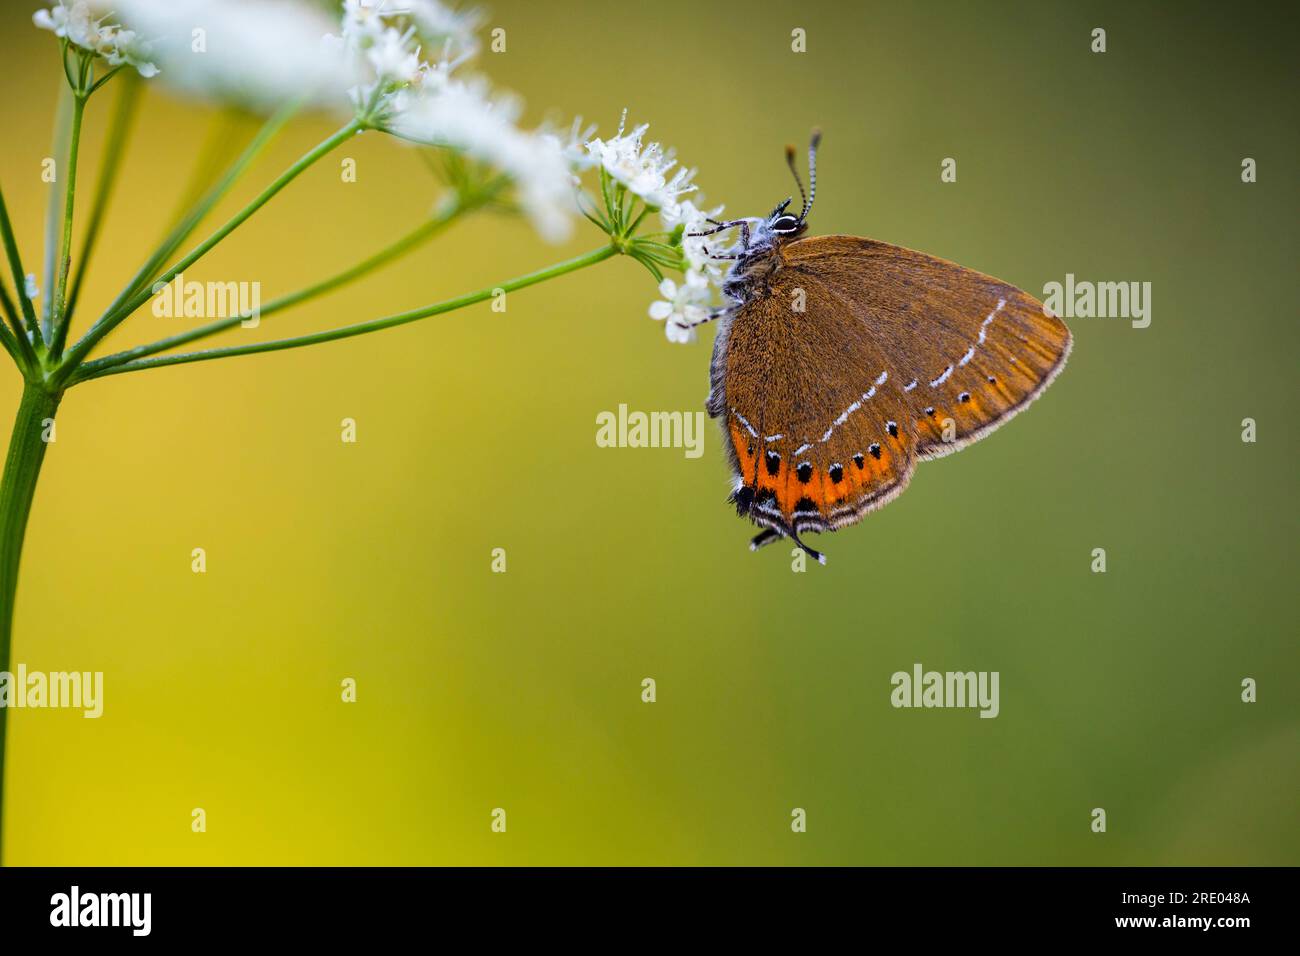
{"points": [[841, 362]]}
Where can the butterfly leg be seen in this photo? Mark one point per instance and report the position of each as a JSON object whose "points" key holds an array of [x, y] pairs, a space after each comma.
{"points": [[713, 315], [721, 226], [768, 535], [815, 555]]}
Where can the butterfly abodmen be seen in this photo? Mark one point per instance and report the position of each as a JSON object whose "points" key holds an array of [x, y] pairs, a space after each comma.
{"points": [[841, 362]]}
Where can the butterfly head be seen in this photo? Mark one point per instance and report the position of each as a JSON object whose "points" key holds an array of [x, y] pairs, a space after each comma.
{"points": [[756, 258], [782, 223]]}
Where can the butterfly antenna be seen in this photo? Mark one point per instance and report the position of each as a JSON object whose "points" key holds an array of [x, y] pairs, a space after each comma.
{"points": [[812, 172], [803, 196]]}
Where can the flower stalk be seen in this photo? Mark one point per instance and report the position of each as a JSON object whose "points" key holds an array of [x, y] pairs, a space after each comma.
{"points": [[407, 243], [58, 295], [22, 468], [119, 129], [111, 319], [360, 328]]}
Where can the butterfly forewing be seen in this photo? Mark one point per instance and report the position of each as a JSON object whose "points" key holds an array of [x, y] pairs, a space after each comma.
{"points": [[969, 350]]}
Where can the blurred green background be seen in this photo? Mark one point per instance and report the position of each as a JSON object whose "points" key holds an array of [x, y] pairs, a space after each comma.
{"points": [[476, 431]]}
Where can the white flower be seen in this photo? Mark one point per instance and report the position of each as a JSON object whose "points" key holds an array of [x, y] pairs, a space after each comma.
{"points": [[400, 46], [451, 33], [647, 171], [696, 247], [77, 24], [643, 169], [572, 144], [30, 288], [683, 306], [467, 117], [395, 58], [258, 54], [73, 23], [454, 32]]}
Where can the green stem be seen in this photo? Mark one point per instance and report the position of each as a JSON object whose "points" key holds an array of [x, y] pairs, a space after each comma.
{"points": [[362, 328], [17, 488], [54, 207], [417, 236], [58, 295], [11, 316], [114, 148], [7, 337], [198, 209], [110, 321], [21, 328]]}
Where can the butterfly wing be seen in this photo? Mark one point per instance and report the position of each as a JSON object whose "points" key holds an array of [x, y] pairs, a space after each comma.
{"points": [[816, 438], [969, 351], [861, 359]]}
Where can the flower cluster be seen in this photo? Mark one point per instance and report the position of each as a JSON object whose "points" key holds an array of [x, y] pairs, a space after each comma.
{"points": [[418, 98], [395, 60], [465, 116], [650, 173], [75, 22], [642, 168], [401, 64], [258, 55], [399, 49]]}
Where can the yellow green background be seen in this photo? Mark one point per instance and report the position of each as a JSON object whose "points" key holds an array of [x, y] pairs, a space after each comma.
{"points": [[476, 431]]}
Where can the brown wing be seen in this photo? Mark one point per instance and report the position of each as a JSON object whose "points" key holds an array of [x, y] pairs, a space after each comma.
{"points": [[896, 356], [970, 350], [817, 437]]}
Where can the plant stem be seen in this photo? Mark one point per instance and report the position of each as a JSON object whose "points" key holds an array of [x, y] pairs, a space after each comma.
{"points": [[420, 234], [54, 206], [188, 221], [111, 320], [17, 488], [128, 96], [10, 316], [58, 295], [361, 328], [28, 321]]}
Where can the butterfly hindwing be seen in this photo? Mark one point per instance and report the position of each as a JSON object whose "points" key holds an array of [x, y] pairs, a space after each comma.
{"points": [[779, 365]]}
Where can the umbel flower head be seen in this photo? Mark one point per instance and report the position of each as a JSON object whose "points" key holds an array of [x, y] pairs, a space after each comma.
{"points": [[77, 24], [408, 53], [465, 116], [642, 167], [258, 55], [633, 170], [393, 62], [398, 47]]}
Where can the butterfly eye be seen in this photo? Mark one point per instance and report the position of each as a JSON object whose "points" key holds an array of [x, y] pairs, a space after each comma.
{"points": [[786, 223]]}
